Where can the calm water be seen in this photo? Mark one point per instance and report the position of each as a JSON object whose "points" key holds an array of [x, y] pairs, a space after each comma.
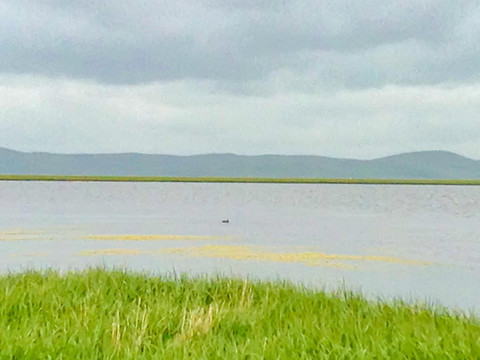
{"points": [[414, 242]]}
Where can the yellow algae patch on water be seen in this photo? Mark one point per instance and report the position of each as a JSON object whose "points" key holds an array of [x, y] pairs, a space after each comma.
{"points": [[311, 258], [109, 252], [32, 254], [248, 253], [23, 234], [154, 237]]}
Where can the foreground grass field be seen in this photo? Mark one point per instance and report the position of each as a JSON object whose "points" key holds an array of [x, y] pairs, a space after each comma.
{"points": [[238, 180], [101, 314]]}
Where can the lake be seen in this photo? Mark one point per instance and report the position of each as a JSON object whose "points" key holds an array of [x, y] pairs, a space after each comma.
{"points": [[419, 243]]}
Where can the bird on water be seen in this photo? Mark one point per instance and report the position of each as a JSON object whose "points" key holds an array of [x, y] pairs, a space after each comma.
{"points": [[225, 221]]}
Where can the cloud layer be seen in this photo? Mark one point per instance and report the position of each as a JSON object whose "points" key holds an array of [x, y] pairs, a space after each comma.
{"points": [[185, 118], [333, 43], [336, 77]]}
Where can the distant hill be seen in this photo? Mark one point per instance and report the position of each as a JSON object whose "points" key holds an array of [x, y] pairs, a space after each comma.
{"points": [[417, 165]]}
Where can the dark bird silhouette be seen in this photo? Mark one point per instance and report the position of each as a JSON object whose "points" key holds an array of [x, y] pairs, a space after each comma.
{"points": [[225, 221]]}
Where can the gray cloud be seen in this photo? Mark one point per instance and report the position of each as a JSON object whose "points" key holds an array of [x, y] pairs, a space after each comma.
{"points": [[41, 114], [240, 44], [342, 78]]}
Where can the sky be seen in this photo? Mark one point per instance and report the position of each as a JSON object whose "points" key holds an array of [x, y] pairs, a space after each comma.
{"points": [[340, 78]]}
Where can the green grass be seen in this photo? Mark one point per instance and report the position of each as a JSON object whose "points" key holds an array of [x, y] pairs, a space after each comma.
{"points": [[238, 180], [101, 314]]}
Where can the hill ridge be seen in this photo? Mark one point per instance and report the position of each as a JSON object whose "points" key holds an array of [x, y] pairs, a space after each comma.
{"points": [[432, 164]]}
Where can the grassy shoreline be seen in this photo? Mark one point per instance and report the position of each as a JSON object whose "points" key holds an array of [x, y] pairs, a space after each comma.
{"points": [[100, 314], [238, 180]]}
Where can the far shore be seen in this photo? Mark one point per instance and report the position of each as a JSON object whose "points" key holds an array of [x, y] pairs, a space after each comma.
{"points": [[259, 180]]}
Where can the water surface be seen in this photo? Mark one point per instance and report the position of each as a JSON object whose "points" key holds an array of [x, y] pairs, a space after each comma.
{"points": [[416, 242]]}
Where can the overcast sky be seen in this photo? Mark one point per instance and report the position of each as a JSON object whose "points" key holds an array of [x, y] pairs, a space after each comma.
{"points": [[357, 79]]}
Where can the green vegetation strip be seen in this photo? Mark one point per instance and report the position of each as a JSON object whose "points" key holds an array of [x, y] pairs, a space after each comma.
{"points": [[101, 314], [238, 180]]}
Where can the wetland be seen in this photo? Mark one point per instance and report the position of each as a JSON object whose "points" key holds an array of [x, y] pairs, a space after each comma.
{"points": [[416, 242]]}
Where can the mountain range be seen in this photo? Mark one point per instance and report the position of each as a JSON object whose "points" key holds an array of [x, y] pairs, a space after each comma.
{"points": [[415, 165]]}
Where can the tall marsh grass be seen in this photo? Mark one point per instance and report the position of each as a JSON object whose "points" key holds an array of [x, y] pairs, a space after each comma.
{"points": [[100, 314]]}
